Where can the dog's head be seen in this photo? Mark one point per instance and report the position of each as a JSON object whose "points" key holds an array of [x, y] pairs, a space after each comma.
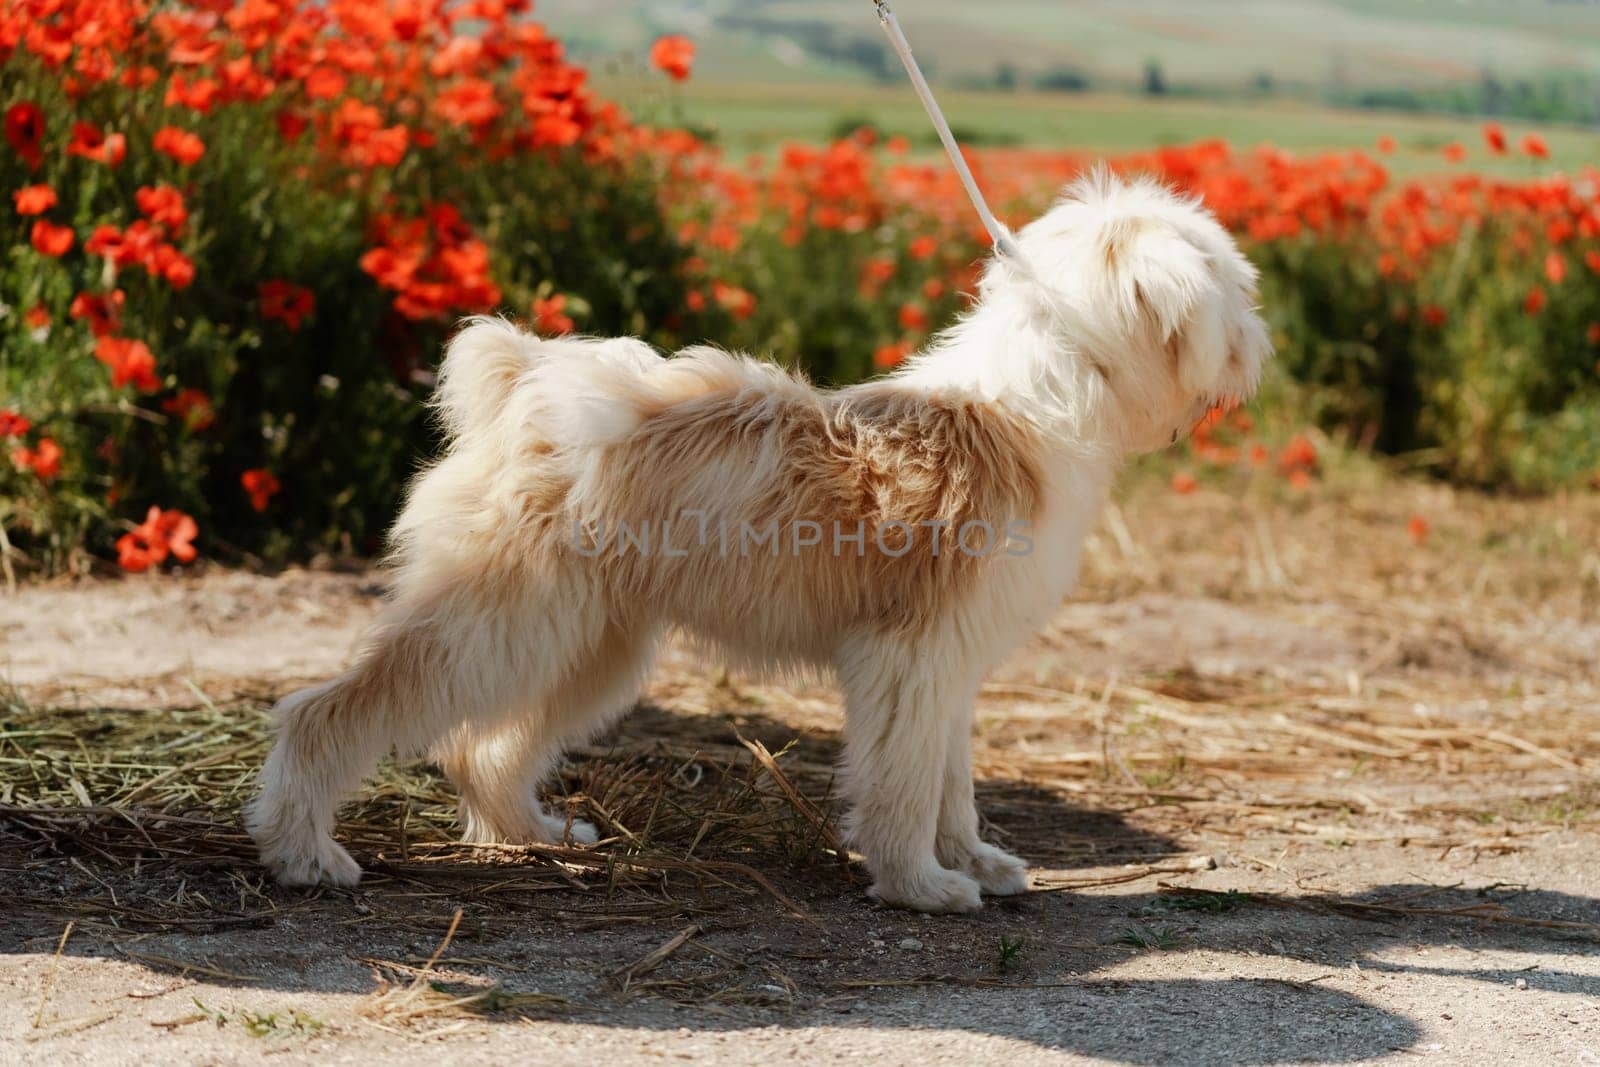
{"points": [[1157, 298]]}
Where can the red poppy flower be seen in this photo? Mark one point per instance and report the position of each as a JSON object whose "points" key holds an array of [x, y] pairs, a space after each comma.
{"points": [[913, 317], [470, 102], [162, 534], [90, 142], [192, 406], [162, 204], [25, 132], [261, 485], [876, 271], [1534, 302], [50, 239], [1533, 145], [736, 301], [37, 317], [891, 355], [286, 302], [1386, 145], [1591, 259], [434, 264], [1417, 528], [291, 125], [1209, 421], [1555, 268], [923, 247], [108, 241], [1455, 152], [174, 267], [1184, 483], [674, 56], [104, 312], [1494, 135], [1298, 454], [199, 94], [34, 199], [548, 317], [181, 145], [325, 83], [13, 424], [1593, 334], [130, 361], [1433, 315], [44, 460]]}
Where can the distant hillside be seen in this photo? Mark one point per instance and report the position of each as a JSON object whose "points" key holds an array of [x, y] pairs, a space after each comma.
{"points": [[1535, 58]]}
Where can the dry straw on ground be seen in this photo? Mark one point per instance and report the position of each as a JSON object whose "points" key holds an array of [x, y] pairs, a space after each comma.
{"points": [[1341, 687]]}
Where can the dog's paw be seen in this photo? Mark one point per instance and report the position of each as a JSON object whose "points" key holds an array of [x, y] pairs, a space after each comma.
{"points": [[579, 832], [316, 861], [933, 889], [527, 825], [999, 872], [292, 848]]}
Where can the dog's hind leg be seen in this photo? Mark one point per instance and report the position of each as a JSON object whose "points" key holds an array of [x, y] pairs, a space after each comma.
{"points": [[458, 652], [499, 773], [900, 699], [957, 843]]}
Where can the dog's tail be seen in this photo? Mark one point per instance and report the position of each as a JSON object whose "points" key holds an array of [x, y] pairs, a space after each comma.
{"points": [[481, 366], [495, 376], [581, 393]]}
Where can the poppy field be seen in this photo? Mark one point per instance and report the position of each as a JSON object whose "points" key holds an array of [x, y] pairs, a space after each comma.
{"points": [[237, 233]]}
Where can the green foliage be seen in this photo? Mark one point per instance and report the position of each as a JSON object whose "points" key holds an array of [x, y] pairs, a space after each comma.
{"points": [[1194, 900], [1010, 952], [1150, 938], [1454, 366]]}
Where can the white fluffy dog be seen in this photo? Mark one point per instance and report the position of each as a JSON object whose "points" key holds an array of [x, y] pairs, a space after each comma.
{"points": [[596, 495]]}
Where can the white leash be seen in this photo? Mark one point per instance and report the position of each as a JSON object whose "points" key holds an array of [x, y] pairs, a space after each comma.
{"points": [[1004, 243]]}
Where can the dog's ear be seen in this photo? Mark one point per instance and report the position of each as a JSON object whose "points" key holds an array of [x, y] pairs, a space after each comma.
{"points": [[1170, 289]]}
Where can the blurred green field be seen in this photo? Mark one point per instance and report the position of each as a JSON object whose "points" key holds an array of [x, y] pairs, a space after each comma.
{"points": [[1211, 46], [773, 70], [755, 117]]}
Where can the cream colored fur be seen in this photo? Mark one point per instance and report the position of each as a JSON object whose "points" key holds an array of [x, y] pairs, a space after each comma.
{"points": [[506, 639]]}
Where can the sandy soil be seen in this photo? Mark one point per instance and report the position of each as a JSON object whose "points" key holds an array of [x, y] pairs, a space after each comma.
{"points": [[1391, 753]]}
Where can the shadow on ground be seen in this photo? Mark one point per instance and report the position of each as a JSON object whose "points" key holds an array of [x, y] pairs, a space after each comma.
{"points": [[717, 905]]}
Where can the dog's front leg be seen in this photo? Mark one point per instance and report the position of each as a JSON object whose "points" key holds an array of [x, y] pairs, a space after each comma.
{"points": [[899, 703], [958, 845]]}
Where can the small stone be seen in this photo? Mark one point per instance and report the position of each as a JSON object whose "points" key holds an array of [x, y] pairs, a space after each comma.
{"points": [[1522, 983], [911, 944]]}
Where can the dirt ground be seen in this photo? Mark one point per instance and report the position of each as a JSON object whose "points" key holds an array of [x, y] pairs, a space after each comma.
{"points": [[1297, 790]]}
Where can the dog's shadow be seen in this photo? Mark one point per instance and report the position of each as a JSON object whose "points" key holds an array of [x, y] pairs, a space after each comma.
{"points": [[691, 779], [697, 940]]}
